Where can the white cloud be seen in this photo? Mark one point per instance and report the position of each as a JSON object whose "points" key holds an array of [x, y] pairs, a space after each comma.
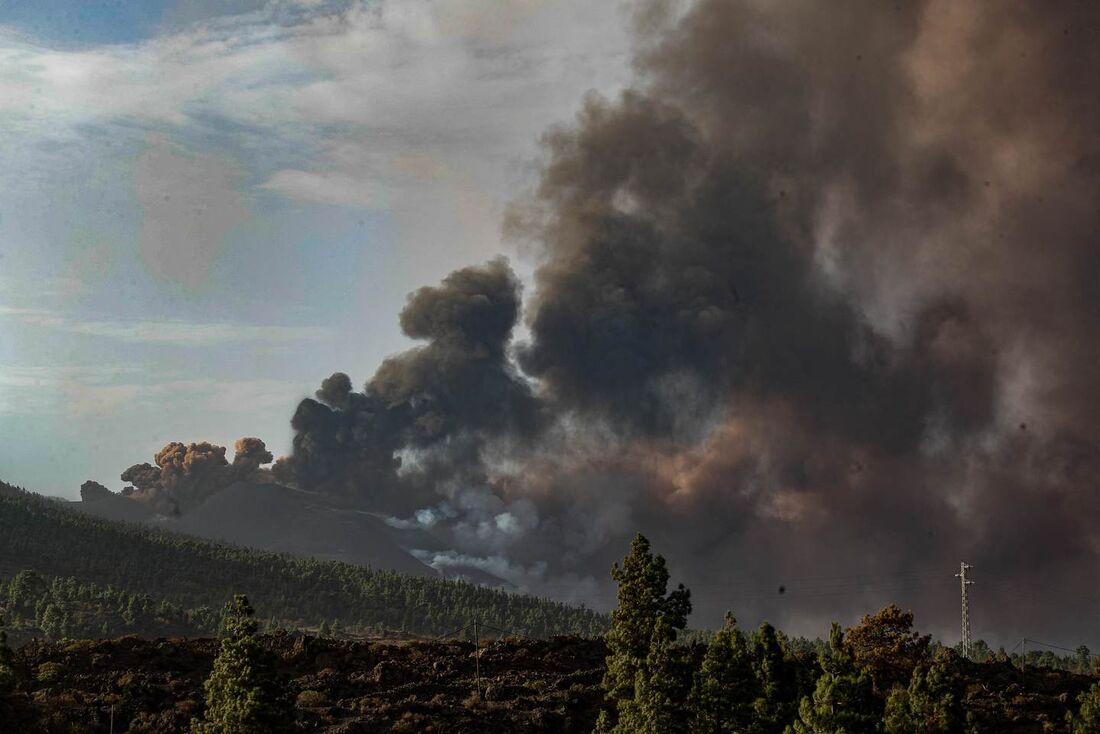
{"points": [[52, 376], [462, 91], [104, 390], [214, 396], [326, 188], [36, 389], [180, 333], [421, 108]]}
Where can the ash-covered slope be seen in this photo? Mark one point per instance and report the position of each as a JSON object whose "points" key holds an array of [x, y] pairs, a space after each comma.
{"points": [[277, 518], [117, 509], [274, 517]]}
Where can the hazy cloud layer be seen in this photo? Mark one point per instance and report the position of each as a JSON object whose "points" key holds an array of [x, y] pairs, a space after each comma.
{"points": [[189, 203], [415, 108], [179, 333]]}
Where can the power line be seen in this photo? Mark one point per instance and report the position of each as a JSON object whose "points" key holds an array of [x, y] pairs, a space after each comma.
{"points": [[1047, 644]]}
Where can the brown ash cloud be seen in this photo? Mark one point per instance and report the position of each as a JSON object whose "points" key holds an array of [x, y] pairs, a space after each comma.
{"points": [[816, 305], [183, 475]]}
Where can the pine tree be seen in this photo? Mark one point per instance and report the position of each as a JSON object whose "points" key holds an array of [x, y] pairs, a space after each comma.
{"points": [[721, 700], [843, 701], [643, 582], [1087, 718], [51, 621], [930, 704], [24, 587], [1082, 659], [662, 687], [243, 693], [7, 661], [778, 691]]}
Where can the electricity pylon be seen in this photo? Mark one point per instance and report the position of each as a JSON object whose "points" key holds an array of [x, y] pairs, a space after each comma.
{"points": [[964, 582]]}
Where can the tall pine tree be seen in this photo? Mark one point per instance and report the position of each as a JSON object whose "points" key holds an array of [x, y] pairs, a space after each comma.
{"points": [[243, 692], [643, 599], [662, 687]]}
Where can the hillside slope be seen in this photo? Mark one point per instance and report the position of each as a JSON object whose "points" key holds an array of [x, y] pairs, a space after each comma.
{"points": [[277, 518], [54, 540]]}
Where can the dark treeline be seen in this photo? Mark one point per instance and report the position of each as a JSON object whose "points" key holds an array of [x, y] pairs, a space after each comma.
{"points": [[185, 575], [879, 677], [1082, 660], [67, 608]]}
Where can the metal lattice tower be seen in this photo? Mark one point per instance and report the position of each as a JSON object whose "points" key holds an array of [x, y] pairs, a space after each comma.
{"points": [[964, 582]]}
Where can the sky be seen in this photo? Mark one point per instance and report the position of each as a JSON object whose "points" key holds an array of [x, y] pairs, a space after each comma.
{"points": [[207, 207]]}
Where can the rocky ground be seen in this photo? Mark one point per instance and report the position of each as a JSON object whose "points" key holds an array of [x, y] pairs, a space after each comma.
{"points": [[346, 686], [155, 686], [1010, 700]]}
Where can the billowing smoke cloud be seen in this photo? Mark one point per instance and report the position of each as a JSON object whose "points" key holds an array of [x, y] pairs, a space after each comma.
{"points": [[183, 475], [816, 308], [427, 413], [91, 491]]}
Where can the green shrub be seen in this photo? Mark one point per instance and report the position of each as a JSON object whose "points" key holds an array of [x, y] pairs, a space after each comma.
{"points": [[50, 672]]}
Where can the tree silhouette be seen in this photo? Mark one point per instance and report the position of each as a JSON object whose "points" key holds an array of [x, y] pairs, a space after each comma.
{"points": [[778, 685]]}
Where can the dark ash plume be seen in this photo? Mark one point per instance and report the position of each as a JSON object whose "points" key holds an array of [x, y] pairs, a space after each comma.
{"points": [[91, 491], [434, 407], [817, 298]]}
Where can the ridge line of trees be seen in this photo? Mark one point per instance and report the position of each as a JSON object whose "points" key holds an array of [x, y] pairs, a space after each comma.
{"points": [[879, 677]]}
